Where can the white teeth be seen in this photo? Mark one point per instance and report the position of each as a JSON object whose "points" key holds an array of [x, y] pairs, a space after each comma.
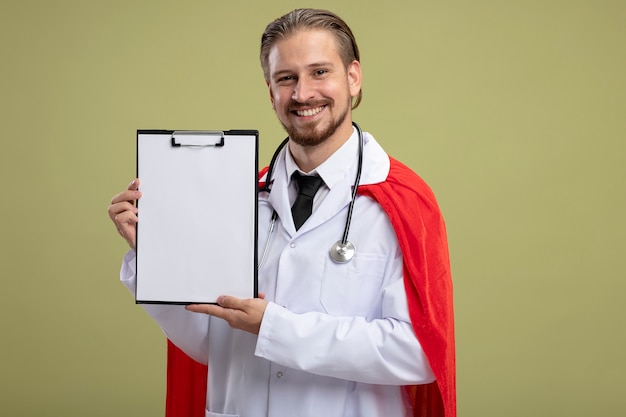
{"points": [[309, 112]]}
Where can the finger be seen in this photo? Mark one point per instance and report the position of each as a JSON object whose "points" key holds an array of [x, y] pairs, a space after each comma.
{"points": [[131, 193], [118, 208], [211, 310], [224, 303], [126, 218], [242, 314], [123, 213], [126, 196], [231, 302], [134, 184], [126, 225]]}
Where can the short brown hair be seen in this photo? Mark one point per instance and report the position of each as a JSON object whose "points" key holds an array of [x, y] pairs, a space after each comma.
{"points": [[303, 19]]}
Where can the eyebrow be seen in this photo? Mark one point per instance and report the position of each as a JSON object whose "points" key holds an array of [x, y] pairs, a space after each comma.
{"points": [[309, 67]]}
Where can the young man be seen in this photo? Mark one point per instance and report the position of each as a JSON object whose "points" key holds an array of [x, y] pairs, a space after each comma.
{"points": [[369, 337]]}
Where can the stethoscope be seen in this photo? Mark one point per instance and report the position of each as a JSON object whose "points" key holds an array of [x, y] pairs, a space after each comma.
{"points": [[341, 251]]}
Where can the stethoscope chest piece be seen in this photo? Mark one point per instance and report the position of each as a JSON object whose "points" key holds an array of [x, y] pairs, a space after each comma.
{"points": [[342, 252]]}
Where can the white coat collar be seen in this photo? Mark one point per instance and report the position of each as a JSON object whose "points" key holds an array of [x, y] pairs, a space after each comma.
{"points": [[344, 160], [338, 172]]}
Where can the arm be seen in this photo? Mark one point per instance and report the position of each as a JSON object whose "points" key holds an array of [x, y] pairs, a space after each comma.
{"points": [[381, 351]]}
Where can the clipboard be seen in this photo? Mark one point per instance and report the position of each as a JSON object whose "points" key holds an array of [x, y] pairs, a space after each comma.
{"points": [[197, 230]]}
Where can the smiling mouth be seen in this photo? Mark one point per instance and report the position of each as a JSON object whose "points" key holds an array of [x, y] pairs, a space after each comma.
{"points": [[309, 112]]}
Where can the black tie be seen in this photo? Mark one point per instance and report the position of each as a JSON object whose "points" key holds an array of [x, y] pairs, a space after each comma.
{"points": [[303, 206]]}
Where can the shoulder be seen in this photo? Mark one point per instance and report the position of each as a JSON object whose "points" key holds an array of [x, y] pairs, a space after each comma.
{"points": [[401, 184]]}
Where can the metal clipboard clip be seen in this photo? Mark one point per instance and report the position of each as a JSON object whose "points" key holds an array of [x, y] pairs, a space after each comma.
{"points": [[198, 138]]}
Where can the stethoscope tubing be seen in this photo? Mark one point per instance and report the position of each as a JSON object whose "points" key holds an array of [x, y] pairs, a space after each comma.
{"points": [[344, 239], [341, 251]]}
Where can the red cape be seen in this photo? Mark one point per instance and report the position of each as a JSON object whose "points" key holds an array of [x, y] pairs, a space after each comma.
{"points": [[419, 225]]}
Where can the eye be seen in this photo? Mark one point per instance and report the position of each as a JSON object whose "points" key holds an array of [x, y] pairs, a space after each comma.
{"points": [[285, 79], [320, 72]]}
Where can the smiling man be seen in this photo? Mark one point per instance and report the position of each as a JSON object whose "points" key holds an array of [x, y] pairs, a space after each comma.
{"points": [[370, 335]]}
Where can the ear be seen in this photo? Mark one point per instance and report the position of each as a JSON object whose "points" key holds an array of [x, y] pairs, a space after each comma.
{"points": [[355, 78], [269, 88]]}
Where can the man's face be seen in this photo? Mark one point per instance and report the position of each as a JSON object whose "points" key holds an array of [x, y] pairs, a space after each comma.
{"points": [[310, 89]]}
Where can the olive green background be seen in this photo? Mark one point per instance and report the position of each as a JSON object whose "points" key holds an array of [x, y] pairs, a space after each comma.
{"points": [[513, 111]]}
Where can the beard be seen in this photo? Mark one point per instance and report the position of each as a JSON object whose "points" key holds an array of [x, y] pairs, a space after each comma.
{"points": [[313, 133]]}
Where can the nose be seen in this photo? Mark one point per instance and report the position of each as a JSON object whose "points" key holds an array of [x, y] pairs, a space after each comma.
{"points": [[303, 91]]}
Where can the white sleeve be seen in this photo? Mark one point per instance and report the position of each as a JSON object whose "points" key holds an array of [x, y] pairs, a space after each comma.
{"points": [[187, 330], [381, 351]]}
